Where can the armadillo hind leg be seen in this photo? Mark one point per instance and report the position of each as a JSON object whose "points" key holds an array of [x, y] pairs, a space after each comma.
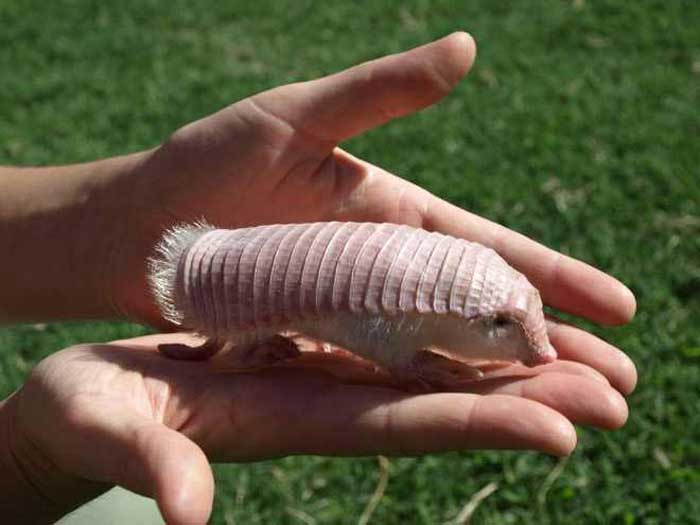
{"points": [[182, 352], [263, 352], [432, 370]]}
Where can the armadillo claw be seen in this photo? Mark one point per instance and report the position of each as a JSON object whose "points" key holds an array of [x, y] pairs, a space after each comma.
{"points": [[432, 371]]}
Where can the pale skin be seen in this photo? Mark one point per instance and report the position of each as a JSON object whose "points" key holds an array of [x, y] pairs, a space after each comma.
{"points": [[126, 415]]}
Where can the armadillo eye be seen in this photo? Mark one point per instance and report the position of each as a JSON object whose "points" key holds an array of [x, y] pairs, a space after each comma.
{"points": [[501, 322]]}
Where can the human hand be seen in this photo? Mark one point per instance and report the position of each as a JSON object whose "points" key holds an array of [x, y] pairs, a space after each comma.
{"points": [[270, 158], [95, 415], [273, 158]]}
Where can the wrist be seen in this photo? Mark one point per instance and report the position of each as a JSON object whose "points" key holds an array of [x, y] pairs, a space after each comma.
{"points": [[23, 500], [16, 485], [133, 201], [63, 226], [33, 489]]}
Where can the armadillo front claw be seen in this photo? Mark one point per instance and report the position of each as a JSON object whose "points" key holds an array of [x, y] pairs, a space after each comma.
{"points": [[433, 371]]}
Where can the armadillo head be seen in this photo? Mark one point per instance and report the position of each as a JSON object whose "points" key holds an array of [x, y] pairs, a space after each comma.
{"points": [[514, 323], [524, 308], [502, 319]]}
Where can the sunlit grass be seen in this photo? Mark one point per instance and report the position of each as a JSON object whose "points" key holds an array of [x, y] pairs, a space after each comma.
{"points": [[579, 126]]}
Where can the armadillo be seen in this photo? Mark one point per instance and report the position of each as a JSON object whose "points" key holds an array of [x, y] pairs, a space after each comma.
{"points": [[419, 304]]}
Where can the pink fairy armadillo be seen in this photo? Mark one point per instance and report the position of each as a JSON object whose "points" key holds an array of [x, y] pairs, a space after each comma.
{"points": [[417, 303]]}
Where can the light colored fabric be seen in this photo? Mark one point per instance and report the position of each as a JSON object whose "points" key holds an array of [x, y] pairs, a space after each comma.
{"points": [[115, 507]]}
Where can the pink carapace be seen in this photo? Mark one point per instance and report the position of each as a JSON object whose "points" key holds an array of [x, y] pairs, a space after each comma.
{"points": [[412, 301]]}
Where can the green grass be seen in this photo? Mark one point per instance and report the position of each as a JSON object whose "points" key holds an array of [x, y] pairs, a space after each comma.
{"points": [[579, 126]]}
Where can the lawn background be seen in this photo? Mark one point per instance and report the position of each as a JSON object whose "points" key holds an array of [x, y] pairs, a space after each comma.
{"points": [[579, 126]]}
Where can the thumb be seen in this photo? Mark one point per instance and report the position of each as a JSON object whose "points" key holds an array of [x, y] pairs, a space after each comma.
{"points": [[148, 458], [339, 106], [173, 470]]}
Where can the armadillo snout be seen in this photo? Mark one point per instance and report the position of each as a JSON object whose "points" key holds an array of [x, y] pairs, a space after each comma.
{"points": [[525, 307]]}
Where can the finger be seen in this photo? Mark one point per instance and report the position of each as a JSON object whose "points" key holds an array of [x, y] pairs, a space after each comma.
{"points": [[152, 341], [578, 345], [559, 366], [339, 106], [565, 283], [118, 446], [581, 399], [306, 412], [174, 471]]}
